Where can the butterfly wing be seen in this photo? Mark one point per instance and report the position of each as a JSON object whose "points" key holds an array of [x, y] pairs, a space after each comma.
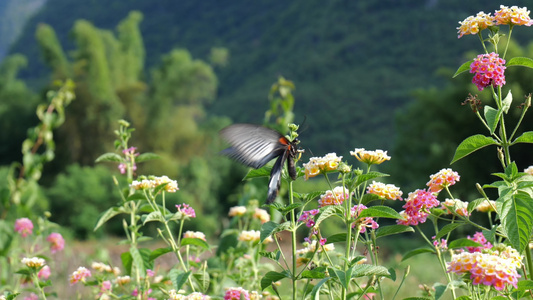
{"points": [[253, 145], [275, 178]]}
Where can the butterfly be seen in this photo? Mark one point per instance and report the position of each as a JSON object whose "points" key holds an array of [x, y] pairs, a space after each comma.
{"points": [[255, 145]]}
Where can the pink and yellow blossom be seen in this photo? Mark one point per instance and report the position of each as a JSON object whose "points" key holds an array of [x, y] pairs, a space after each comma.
{"points": [[474, 24], [236, 293], [24, 226], [387, 191], [489, 70], [512, 16], [262, 215], [442, 179], [368, 157], [333, 197], [460, 207], [194, 235], [362, 223], [34, 262], [57, 242], [79, 275], [237, 211], [318, 165]]}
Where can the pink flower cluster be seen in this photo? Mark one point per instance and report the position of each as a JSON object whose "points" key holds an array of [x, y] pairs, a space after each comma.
{"points": [[488, 69], [24, 226], [416, 207], [333, 197], [308, 217], [491, 269], [236, 293], [479, 238], [79, 275], [513, 16], [442, 179], [442, 244], [186, 210], [363, 223], [57, 242]]}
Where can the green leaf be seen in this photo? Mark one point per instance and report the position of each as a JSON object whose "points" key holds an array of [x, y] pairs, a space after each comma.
{"points": [[463, 68], [178, 278], [492, 116], [367, 198], [127, 261], [158, 252], [439, 290], [196, 242], [269, 228], [460, 243], [520, 61], [146, 156], [108, 214], [328, 212], [393, 229], [109, 157], [517, 219], [369, 270], [256, 173], [317, 273], [525, 285], [526, 137], [271, 277], [447, 229], [153, 216], [336, 238], [471, 144], [379, 211], [417, 252], [342, 277], [369, 176], [315, 293], [507, 101], [203, 280]]}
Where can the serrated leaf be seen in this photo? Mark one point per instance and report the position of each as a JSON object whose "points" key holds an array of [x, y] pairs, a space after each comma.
{"points": [[341, 276], [447, 229], [525, 285], [526, 137], [517, 219], [393, 229], [492, 116], [417, 252], [520, 61], [367, 198], [269, 228], [328, 212], [153, 216], [271, 277], [108, 214], [256, 173], [178, 278], [460, 243], [202, 279], [369, 176], [315, 292], [463, 68], [439, 290], [317, 273], [195, 242], [379, 212], [471, 144], [368, 270], [109, 157], [146, 156]]}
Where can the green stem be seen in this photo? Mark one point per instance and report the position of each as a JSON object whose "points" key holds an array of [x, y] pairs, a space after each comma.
{"points": [[293, 240], [508, 40], [529, 262]]}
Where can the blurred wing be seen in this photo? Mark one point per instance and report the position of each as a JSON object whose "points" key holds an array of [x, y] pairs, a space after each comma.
{"points": [[253, 145], [275, 178]]}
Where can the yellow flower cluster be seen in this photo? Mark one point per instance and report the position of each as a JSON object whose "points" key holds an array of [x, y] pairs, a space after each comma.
{"points": [[123, 280], [333, 197], [194, 235], [387, 191], [253, 236], [153, 182], [101, 267], [486, 206], [34, 262], [474, 24], [262, 215], [368, 157], [237, 211], [459, 206], [316, 165]]}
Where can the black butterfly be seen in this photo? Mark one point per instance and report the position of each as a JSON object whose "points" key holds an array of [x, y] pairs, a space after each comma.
{"points": [[255, 146]]}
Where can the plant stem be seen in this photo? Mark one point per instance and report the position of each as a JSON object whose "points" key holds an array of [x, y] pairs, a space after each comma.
{"points": [[293, 240]]}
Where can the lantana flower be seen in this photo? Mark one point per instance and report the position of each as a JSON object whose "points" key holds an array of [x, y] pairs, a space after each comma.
{"points": [[79, 275], [416, 207], [479, 238], [489, 70], [333, 197], [262, 215], [474, 24], [308, 217], [368, 157], [512, 16], [387, 191], [123, 280], [24, 226], [317, 165], [237, 211], [34, 262], [57, 242], [236, 293], [101, 267], [153, 182], [529, 170], [486, 206], [362, 223], [186, 210], [194, 234], [460, 207], [441, 179], [494, 268], [44, 273]]}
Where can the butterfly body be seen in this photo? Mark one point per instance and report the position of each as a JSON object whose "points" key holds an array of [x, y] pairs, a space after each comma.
{"points": [[254, 146]]}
